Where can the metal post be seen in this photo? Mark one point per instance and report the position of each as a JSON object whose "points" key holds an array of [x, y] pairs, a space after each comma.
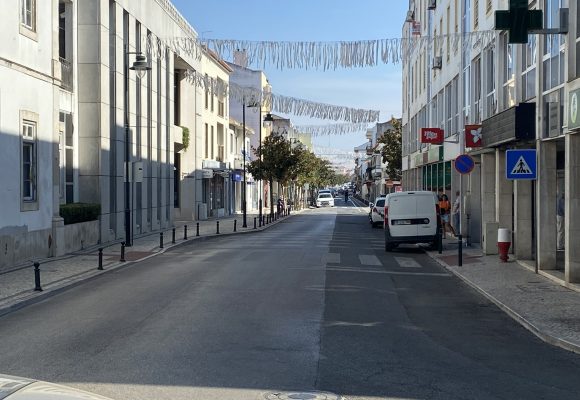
{"points": [[440, 240], [254, 222], [217, 229], [100, 267], [37, 287], [122, 252], [235, 225], [244, 187], [185, 232], [160, 240], [197, 229], [127, 152], [459, 251], [173, 236]]}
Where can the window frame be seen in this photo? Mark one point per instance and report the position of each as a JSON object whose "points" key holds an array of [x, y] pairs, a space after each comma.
{"points": [[29, 140], [26, 29]]}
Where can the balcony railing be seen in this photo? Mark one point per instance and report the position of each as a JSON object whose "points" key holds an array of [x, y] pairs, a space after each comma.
{"points": [[66, 73]]}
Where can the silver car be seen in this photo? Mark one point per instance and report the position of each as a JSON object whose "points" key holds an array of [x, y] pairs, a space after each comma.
{"points": [[16, 388]]}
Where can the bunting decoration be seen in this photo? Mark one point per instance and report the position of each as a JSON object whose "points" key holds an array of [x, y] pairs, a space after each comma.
{"points": [[317, 55], [331, 129], [282, 104]]}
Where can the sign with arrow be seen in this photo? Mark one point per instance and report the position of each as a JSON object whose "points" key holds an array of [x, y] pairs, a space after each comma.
{"points": [[521, 164]]}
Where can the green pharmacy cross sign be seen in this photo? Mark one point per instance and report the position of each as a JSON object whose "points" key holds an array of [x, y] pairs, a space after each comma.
{"points": [[519, 21]]}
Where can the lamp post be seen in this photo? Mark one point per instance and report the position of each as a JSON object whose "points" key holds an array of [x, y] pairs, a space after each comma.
{"points": [[140, 66], [267, 119], [245, 204]]}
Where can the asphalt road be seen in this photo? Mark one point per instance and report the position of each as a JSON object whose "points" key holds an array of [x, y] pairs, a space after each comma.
{"points": [[313, 303]]}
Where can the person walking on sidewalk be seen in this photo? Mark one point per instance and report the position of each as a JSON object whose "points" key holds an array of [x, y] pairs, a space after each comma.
{"points": [[457, 212], [445, 210], [560, 220]]}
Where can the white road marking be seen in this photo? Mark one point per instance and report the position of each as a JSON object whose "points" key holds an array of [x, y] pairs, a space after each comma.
{"points": [[352, 202], [382, 271], [366, 259], [407, 262], [333, 258]]}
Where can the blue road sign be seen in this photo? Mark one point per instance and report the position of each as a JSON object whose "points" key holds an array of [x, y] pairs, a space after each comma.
{"points": [[521, 164], [464, 164]]}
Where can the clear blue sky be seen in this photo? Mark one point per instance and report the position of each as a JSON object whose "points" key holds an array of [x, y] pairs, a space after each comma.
{"points": [[314, 20]]}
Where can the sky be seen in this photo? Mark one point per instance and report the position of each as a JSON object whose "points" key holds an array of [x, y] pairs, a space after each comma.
{"points": [[377, 88]]}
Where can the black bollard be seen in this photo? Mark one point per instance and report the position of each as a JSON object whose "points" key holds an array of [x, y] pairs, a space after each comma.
{"points": [[254, 222], [100, 267], [459, 251], [37, 287], [122, 252], [160, 240], [197, 229], [173, 236], [260, 222], [185, 232], [217, 227], [440, 241], [235, 225]]}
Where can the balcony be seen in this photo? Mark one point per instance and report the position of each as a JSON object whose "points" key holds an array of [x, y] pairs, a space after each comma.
{"points": [[66, 73]]}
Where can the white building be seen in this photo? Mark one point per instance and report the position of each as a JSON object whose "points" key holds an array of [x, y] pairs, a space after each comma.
{"points": [[523, 96], [37, 116]]}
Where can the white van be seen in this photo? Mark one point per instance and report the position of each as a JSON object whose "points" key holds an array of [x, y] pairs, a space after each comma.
{"points": [[411, 217]]}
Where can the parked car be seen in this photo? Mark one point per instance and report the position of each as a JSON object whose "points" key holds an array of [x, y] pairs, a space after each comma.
{"points": [[376, 213], [325, 199], [411, 217], [13, 387]]}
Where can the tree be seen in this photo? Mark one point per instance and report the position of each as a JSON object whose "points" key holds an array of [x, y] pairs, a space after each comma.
{"points": [[392, 151], [278, 162]]}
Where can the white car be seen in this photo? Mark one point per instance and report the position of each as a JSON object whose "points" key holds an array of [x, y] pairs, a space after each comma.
{"points": [[411, 217], [325, 199], [13, 387], [376, 214]]}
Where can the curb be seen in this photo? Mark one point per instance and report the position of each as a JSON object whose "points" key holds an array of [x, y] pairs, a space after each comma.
{"points": [[30, 298], [550, 339]]}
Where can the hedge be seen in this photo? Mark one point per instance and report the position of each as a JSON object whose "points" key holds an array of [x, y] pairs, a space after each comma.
{"points": [[79, 212]]}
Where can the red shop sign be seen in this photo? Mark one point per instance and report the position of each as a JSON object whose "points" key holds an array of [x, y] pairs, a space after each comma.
{"points": [[432, 135]]}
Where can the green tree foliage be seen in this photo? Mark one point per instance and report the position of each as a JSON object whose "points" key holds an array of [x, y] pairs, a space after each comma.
{"points": [[283, 163], [391, 151]]}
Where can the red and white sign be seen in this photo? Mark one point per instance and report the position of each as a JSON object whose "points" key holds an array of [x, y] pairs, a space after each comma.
{"points": [[432, 135], [473, 136], [398, 189], [416, 28]]}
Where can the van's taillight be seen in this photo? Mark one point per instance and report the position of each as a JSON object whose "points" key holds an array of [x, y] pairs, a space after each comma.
{"points": [[386, 221], [375, 209]]}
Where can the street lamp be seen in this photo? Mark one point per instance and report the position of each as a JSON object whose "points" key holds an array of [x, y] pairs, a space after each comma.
{"points": [[268, 120], [140, 66], [244, 188]]}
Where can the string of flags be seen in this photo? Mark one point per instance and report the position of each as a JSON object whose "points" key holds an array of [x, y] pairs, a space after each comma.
{"points": [[316, 55]]}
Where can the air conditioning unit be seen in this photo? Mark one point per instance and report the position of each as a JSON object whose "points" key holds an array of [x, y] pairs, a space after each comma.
{"points": [[437, 62], [431, 4]]}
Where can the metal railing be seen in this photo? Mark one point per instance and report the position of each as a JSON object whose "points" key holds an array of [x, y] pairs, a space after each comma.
{"points": [[66, 73]]}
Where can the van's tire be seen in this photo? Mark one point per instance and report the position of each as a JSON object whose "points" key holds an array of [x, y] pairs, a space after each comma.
{"points": [[388, 246], [374, 224]]}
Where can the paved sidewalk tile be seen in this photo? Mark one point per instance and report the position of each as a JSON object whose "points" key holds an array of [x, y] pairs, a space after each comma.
{"points": [[17, 285], [543, 306]]}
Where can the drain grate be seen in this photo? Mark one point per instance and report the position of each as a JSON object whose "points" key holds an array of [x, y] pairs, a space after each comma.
{"points": [[302, 396]]}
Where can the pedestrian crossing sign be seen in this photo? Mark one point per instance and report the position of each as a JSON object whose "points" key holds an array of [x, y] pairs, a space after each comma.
{"points": [[521, 164]]}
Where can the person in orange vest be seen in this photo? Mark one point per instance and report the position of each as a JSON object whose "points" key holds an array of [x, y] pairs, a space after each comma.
{"points": [[445, 211]]}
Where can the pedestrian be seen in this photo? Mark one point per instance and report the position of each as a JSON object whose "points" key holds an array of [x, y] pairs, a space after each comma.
{"points": [[346, 195], [457, 212], [444, 211], [560, 204]]}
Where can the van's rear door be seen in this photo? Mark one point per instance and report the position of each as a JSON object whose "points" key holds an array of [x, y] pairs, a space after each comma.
{"points": [[426, 214], [402, 212]]}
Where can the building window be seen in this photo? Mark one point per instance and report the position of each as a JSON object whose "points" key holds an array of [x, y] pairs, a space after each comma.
{"points": [[206, 92], [509, 87], [529, 60], [28, 161], [206, 141], [488, 6], [477, 90], [28, 14], [490, 101], [212, 140], [475, 14]]}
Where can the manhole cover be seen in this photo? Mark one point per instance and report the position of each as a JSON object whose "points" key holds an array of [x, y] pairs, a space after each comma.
{"points": [[302, 396]]}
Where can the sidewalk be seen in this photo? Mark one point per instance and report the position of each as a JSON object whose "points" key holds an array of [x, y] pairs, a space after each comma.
{"points": [[544, 307], [60, 273]]}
